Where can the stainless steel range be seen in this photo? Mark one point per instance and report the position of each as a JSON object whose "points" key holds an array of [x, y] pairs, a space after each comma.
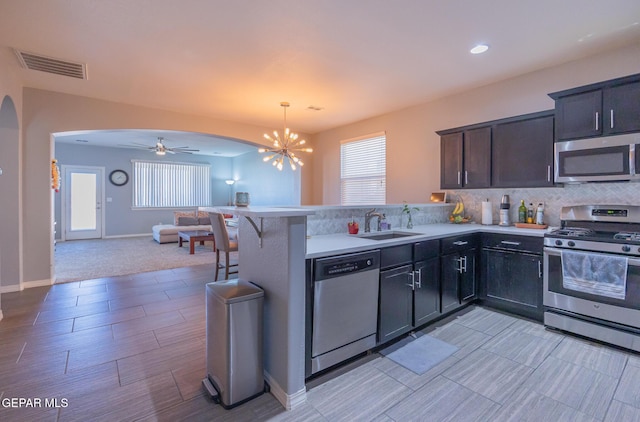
{"points": [[592, 274]]}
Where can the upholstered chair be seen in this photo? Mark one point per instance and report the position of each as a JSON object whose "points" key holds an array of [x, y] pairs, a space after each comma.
{"points": [[222, 243]]}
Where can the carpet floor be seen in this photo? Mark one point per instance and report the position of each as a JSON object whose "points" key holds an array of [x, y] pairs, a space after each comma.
{"points": [[98, 258]]}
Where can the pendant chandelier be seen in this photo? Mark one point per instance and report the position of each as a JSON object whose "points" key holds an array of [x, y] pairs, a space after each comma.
{"points": [[285, 146]]}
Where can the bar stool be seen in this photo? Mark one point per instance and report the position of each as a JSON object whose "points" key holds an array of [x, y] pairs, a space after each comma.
{"points": [[222, 243]]}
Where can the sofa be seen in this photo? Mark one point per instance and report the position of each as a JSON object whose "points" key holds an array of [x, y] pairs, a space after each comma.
{"points": [[185, 221]]}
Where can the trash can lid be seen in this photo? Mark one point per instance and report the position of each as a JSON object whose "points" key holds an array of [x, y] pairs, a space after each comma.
{"points": [[237, 290]]}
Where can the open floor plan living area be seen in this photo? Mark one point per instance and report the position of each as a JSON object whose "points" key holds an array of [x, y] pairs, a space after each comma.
{"points": [[319, 210]]}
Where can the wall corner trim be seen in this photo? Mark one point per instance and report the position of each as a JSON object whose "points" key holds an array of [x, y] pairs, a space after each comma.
{"points": [[289, 401]]}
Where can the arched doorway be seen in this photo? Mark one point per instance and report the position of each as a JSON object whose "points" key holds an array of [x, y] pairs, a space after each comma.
{"points": [[10, 242]]}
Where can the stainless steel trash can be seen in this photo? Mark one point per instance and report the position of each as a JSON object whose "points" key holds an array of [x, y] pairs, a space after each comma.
{"points": [[234, 341]]}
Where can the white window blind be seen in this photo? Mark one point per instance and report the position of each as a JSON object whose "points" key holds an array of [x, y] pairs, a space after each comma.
{"points": [[363, 170], [168, 185]]}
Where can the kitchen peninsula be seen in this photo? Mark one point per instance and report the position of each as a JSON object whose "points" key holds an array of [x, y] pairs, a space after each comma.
{"points": [[276, 242]]}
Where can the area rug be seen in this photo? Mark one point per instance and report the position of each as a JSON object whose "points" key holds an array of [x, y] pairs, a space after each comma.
{"points": [[89, 259], [419, 354]]}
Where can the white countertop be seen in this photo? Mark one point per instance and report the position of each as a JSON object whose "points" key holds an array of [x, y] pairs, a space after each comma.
{"points": [[267, 212], [341, 243]]}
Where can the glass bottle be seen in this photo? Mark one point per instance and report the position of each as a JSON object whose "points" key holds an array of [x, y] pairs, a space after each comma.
{"points": [[530, 213], [522, 212]]}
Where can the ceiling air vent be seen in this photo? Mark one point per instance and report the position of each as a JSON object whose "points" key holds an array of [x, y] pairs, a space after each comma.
{"points": [[50, 65]]}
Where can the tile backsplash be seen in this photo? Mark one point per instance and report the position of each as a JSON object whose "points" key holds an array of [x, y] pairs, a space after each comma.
{"points": [[334, 219], [619, 193]]}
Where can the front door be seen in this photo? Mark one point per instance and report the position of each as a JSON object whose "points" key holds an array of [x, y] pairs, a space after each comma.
{"points": [[83, 192]]}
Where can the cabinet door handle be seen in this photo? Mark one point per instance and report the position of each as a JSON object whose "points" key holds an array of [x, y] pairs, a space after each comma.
{"points": [[412, 279], [464, 264], [597, 115], [459, 269], [612, 119], [418, 283], [460, 242], [548, 173], [458, 178], [539, 269], [466, 177], [508, 242]]}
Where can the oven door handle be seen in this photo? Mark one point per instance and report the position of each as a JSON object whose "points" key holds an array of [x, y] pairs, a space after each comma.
{"points": [[632, 261]]}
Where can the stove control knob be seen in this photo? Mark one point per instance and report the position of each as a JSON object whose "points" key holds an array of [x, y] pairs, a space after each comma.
{"points": [[558, 242], [626, 248], [571, 243]]}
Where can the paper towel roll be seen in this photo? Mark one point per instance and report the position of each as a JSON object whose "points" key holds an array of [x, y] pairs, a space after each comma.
{"points": [[487, 214]]}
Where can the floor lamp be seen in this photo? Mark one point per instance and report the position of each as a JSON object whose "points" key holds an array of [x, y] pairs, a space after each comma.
{"points": [[230, 182]]}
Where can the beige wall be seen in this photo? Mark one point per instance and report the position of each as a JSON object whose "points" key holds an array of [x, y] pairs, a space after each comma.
{"points": [[413, 148], [48, 112], [10, 183]]}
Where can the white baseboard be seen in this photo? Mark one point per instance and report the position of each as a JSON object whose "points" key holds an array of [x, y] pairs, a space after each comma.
{"points": [[115, 236], [288, 401], [10, 289], [26, 285], [127, 235]]}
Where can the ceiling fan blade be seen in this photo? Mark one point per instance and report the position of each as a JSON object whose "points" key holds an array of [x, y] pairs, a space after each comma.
{"points": [[136, 146]]}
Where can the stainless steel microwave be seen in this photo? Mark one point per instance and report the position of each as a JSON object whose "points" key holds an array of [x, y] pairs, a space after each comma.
{"points": [[605, 159]]}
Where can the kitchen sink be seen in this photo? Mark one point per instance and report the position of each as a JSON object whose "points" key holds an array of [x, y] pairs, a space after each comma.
{"points": [[385, 235]]}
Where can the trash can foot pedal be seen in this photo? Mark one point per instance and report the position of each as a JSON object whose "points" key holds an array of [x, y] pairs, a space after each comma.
{"points": [[211, 390]]}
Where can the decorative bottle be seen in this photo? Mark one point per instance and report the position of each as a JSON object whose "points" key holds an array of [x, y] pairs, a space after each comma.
{"points": [[522, 212], [540, 214]]}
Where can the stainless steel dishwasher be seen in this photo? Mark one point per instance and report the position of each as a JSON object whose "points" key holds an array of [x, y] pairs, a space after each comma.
{"points": [[344, 307]]}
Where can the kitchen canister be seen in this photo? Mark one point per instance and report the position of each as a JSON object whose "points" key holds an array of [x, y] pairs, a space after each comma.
{"points": [[242, 199], [487, 213]]}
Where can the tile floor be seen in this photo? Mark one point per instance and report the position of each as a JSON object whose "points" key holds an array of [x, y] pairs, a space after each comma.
{"points": [[132, 348]]}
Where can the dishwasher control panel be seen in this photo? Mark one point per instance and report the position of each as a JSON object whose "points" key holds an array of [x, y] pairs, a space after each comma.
{"points": [[346, 264], [347, 267]]}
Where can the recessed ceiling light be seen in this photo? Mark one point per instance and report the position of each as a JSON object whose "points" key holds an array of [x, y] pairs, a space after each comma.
{"points": [[478, 49]]}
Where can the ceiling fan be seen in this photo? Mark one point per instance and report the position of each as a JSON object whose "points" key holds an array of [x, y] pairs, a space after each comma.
{"points": [[161, 149]]}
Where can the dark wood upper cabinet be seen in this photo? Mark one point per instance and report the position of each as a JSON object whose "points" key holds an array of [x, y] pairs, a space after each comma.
{"points": [[451, 161], [476, 158], [465, 159], [579, 115], [621, 108], [512, 152], [522, 154], [605, 108]]}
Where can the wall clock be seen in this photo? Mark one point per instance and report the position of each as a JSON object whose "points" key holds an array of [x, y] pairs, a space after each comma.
{"points": [[119, 177]]}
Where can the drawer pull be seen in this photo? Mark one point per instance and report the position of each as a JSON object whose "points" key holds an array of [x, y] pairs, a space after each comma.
{"points": [[461, 243], [508, 242]]}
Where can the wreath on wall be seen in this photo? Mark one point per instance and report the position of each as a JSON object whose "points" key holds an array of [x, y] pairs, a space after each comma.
{"points": [[55, 175]]}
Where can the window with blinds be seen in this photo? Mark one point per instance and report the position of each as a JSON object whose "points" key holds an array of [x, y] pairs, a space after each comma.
{"points": [[169, 185], [363, 170]]}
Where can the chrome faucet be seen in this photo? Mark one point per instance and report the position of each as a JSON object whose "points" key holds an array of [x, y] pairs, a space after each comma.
{"points": [[367, 219]]}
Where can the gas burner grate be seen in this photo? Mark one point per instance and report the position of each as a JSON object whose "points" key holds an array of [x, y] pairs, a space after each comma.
{"points": [[634, 237], [574, 231]]}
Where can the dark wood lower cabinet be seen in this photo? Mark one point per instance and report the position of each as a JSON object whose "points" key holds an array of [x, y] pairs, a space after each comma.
{"points": [[409, 293], [396, 303], [426, 296], [449, 276], [512, 281], [458, 275], [412, 294]]}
